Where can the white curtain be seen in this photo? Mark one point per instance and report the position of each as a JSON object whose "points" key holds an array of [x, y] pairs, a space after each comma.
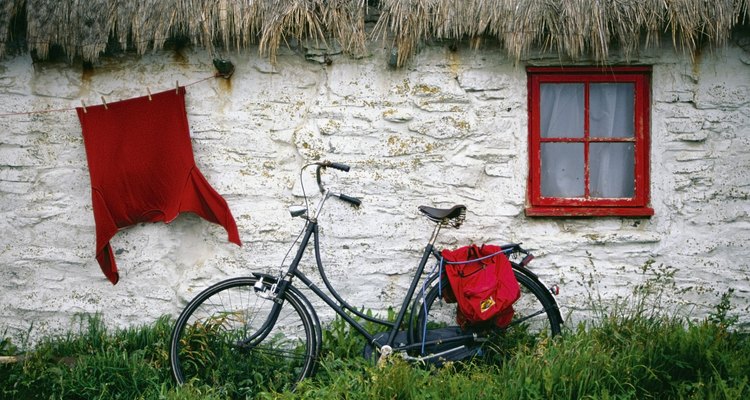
{"points": [[611, 115], [562, 170], [562, 110], [611, 170]]}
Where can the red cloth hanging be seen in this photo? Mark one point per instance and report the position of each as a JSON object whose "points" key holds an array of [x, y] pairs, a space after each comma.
{"points": [[142, 169]]}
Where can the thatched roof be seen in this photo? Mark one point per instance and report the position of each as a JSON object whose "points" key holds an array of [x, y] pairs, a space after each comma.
{"points": [[574, 28]]}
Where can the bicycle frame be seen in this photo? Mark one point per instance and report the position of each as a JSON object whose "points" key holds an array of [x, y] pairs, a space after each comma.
{"points": [[339, 305], [268, 315]]}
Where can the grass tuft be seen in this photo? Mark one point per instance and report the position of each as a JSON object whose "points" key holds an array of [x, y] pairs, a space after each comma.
{"points": [[626, 353]]}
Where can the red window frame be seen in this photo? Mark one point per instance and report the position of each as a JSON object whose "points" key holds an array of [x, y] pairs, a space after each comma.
{"points": [[638, 205]]}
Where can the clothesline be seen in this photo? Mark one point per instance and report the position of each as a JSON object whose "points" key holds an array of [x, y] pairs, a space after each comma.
{"points": [[216, 75]]}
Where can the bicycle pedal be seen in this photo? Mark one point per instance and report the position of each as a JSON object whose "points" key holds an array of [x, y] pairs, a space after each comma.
{"points": [[385, 352], [370, 350]]}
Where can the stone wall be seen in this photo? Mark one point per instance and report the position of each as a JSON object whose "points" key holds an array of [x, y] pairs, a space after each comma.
{"points": [[449, 128]]}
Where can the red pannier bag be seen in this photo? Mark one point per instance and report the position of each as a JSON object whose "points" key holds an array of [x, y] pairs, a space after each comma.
{"points": [[485, 289]]}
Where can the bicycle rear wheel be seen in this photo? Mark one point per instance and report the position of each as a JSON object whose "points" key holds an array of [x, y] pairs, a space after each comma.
{"points": [[536, 315], [231, 337]]}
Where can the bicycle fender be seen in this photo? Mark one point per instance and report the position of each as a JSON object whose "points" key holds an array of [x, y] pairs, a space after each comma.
{"points": [[268, 277], [525, 271]]}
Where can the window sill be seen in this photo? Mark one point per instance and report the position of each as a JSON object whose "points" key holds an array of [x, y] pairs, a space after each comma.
{"points": [[560, 211]]}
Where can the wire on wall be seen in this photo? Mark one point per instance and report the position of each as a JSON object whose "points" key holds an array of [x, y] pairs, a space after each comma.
{"points": [[225, 69]]}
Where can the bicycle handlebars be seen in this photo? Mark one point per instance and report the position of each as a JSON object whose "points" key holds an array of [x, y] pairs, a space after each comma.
{"points": [[338, 166], [341, 167], [351, 200]]}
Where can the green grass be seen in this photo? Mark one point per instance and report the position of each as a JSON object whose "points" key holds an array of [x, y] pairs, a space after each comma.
{"points": [[626, 354]]}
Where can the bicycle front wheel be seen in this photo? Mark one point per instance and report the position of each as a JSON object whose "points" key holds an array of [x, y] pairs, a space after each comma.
{"points": [[536, 314], [232, 336]]}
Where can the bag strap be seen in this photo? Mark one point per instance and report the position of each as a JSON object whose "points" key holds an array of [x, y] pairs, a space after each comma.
{"points": [[477, 259], [473, 253]]}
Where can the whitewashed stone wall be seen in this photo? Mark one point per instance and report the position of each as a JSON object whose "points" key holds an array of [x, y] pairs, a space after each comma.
{"points": [[448, 128]]}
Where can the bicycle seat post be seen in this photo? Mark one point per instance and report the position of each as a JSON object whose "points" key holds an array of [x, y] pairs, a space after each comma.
{"points": [[435, 232], [453, 216]]}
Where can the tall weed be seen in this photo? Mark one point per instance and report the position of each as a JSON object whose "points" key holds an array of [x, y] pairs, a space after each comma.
{"points": [[629, 351], [93, 363]]}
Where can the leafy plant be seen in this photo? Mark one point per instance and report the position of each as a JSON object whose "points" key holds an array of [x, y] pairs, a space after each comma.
{"points": [[720, 316], [629, 352]]}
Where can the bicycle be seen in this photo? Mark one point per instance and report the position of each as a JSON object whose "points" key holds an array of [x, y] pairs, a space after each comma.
{"points": [[260, 330]]}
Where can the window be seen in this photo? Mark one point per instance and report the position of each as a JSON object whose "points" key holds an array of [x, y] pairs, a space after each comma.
{"points": [[589, 142]]}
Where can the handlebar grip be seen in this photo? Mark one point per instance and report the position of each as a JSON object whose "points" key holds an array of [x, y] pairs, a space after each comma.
{"points": [[339, 166], [351, 200]]}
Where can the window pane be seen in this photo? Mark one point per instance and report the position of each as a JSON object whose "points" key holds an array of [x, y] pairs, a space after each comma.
{"points": [[611, 108], [562, 110], [611, 169], [562, 170]]}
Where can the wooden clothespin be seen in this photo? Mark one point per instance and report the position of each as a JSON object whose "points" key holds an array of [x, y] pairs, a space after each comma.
{"points": [[84, 107], [177, 87], [105, 103], [149, 93]]}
